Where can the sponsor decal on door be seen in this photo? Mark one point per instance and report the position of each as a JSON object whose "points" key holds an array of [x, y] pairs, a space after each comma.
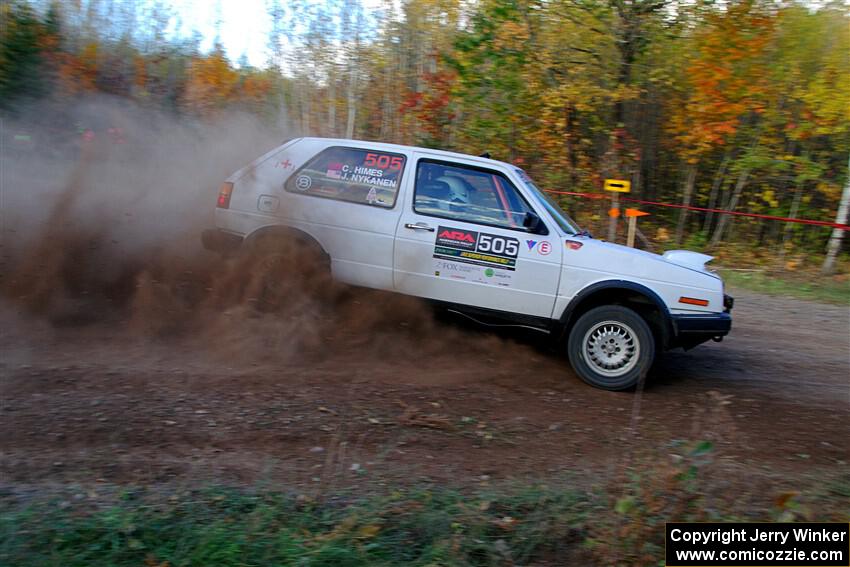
{"points": [[472, 273], [475, 256]]}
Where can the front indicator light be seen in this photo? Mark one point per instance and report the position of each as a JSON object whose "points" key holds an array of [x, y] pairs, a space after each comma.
{"points": [[694, 301], [224, 195]]}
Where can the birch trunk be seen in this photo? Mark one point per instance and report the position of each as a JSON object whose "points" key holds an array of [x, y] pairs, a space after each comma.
{"points": [[837, 234], [332, 104], [352, 103]]}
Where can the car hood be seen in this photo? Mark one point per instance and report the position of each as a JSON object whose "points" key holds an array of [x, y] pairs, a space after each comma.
{"points": [[631, 256], [693, 260]]}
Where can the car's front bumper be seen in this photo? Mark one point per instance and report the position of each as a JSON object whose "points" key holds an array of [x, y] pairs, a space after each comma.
{"points": [[712, 324], [693, 329]]}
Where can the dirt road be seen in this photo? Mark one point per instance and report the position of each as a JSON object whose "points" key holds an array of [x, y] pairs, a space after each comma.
{"points": [[400, 397], [129, 356]]}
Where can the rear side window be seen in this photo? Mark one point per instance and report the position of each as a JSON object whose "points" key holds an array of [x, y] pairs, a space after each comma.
{"points": [[355, 175], [468, 194]]}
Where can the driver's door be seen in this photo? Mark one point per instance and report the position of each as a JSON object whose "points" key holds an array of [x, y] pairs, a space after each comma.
{"points": [[461, 239]]}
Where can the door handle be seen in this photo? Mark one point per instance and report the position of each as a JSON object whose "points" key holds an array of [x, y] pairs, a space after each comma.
{"points": [[419, 226]]}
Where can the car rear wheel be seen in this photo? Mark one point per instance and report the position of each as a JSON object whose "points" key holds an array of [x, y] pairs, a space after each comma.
{"points": [[611, 347], [282, 267]]}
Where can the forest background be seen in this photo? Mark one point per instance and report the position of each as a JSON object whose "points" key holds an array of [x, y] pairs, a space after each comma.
{"points": [[741, 105]]}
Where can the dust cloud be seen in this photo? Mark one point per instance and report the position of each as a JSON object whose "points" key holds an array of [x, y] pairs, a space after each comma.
{"points": [[101, 242]]}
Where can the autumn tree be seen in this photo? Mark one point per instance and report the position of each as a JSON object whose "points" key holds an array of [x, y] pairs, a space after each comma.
{"points": [[724, 89]]}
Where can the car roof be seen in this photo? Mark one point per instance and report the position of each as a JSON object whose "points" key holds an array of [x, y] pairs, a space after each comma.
{"points": [[399, 147]]}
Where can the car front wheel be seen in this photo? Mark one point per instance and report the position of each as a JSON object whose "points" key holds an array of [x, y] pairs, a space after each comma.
{"points": [[611, 347]]}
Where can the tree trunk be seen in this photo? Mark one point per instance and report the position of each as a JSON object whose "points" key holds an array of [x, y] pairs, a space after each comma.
{"points": [[686, 201], [572, 158], [305, 109], [332, 104], [352, 103], [837, 234], [795, 208], [715, 189], [733, 202]]}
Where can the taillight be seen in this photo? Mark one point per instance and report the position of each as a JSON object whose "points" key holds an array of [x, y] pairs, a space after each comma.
{"points": [[224, 195]]}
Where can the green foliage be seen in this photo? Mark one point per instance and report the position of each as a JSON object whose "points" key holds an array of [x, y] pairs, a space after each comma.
{"points": [[21, 42], [508, 524], [224, 527]]}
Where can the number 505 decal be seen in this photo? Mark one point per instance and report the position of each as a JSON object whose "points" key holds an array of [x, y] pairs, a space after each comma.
{"points": [[498, 245], [383, 161]]}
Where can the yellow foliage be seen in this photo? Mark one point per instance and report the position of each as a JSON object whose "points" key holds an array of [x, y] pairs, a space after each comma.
{"points": [[368, 531]]}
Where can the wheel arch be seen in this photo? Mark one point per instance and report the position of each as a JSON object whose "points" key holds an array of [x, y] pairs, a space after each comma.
{"points": [[638, 297], [278, 231]]}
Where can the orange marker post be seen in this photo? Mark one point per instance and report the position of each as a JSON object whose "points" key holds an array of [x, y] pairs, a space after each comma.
{"points": [[632, 215]]}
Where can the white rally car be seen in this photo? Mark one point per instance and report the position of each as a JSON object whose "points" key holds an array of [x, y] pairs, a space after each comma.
{"points": [[476, 236]]}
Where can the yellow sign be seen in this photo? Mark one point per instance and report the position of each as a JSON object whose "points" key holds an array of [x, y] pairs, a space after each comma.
{"points": [[618, 185]]}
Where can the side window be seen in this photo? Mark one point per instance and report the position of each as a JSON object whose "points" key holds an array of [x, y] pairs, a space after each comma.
{"points": [[360, 176], [468, 194]]}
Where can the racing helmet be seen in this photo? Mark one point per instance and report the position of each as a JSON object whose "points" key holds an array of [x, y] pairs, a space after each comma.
{"points": [[458, 190]]}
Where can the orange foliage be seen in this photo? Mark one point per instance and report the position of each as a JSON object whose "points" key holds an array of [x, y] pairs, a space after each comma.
{"points": [[430, 107], [255, 88], [140, 74], [728, 78], [211, 85], [78, 72]]}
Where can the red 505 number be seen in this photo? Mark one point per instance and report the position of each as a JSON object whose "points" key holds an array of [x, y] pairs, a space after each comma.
{"points": [[384, 161]]}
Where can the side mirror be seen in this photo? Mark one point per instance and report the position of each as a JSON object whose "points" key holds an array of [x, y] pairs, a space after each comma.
{"points": [[532, 222]]}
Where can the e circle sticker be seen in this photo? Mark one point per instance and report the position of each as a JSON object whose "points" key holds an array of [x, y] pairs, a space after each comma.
{"points": [[303, 182], [544, 248]]}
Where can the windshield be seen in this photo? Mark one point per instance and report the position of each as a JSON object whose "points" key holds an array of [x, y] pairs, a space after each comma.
{"points": [[567, 224]]}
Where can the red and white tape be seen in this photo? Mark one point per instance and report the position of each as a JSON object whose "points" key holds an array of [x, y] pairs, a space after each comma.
{"points": [[705, 210]]}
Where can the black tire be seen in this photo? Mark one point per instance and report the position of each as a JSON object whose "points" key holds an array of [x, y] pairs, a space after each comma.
{"points": [[611, 347]]}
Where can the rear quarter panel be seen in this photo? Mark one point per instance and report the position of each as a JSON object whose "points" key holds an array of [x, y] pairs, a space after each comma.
{"points": [[358, 237]]}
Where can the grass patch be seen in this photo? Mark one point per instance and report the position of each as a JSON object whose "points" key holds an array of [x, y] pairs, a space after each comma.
{"points": [[803, 286], [229, 527], [506, 525]]}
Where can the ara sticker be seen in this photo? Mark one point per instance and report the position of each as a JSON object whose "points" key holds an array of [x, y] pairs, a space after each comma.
{"points": [[531, 244], [573, 245], [478, 248]]}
